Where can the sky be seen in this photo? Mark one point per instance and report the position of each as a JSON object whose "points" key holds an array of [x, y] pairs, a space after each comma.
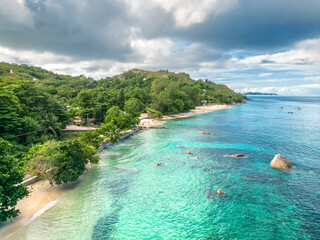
{"points": [[249, 45]]}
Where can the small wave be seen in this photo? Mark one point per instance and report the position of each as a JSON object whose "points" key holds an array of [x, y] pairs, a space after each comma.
{"points": [[40, 212], [35, 216]]}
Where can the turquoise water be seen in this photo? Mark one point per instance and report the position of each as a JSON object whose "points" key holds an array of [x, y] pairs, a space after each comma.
{"points": [[171, 201]]}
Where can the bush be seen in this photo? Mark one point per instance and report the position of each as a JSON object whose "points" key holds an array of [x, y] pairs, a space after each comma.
{"points": [[11, 174], [122, 120], [60, 162], [134, 107], [179, 105], [153, 114], [70, 164], [159, 114]]}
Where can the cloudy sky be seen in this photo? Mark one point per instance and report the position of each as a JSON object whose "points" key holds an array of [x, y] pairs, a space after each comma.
{"points": [[250, 45]]}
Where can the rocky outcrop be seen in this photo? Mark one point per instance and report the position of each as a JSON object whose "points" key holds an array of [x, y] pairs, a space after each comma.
{"points": [[220, 192], [188, 152], [235, 155], [202, 132], [280, 162]]}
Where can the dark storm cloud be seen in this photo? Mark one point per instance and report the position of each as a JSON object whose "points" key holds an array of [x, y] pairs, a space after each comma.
{"points": [[258, 25], [104, 29], [84, 29]]}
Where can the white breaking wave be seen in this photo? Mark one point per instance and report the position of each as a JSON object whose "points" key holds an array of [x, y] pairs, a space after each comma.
{"points": [[35, 216], [40, 212]]}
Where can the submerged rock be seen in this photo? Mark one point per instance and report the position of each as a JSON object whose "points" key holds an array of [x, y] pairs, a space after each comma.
{"points": [[188, 152], [220, 192], [159, 164], [313, 172], [215, 167], [280, 162], [235, 155], [180, 146], [256, 178], [195, 167], [197, 158], [261, 177], [128, 169], [209, 193]]}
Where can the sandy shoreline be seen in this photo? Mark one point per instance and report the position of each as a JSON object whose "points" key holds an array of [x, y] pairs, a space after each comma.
{"points": [[147, 122], [42, 194]]}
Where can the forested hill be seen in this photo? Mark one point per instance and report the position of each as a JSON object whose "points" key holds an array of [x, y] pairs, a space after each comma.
{"points": [[31, 98], [163, 91]]}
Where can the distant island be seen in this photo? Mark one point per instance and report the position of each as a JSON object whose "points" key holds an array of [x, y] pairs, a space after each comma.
{"points": [[259, 93]]}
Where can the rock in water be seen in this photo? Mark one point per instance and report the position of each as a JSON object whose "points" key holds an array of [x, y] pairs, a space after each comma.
{"points": [[280, 162], [220, 192], [188, 152], [159, 164], [180, 146], [203, 132], [128, 169], [235, 155]]}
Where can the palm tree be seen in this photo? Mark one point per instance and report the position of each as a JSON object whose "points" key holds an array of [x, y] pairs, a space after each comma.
{"points": [[51, 125], [111, 131]]}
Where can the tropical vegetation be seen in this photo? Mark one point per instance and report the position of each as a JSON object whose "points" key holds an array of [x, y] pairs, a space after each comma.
{"points": [[36, 104]]}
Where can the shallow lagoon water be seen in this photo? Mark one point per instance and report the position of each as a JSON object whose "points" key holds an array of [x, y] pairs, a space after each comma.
{"points": [[171, 201]]}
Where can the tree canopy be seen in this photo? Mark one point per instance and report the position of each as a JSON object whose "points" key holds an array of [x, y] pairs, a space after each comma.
{"points": [[11, 174]]}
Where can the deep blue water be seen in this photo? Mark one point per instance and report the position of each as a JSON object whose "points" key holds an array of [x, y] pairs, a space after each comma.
{"points": [[173, 201]]}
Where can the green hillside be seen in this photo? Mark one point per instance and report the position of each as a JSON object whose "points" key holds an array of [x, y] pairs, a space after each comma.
{"points": [[162, 90], [36, 104]]}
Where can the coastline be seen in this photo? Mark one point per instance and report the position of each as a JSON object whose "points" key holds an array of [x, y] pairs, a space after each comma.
{"points": [[146, 122], [43, 195]]}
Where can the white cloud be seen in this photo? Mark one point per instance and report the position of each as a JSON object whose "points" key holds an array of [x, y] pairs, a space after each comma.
{"points": [[14, 12], [152, 50], [153, 54], [305, 55], [312, 78], [265, 74], [189, 12]]}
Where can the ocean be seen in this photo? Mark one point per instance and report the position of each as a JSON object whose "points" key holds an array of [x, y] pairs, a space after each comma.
{"points": [[177, 200]]}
